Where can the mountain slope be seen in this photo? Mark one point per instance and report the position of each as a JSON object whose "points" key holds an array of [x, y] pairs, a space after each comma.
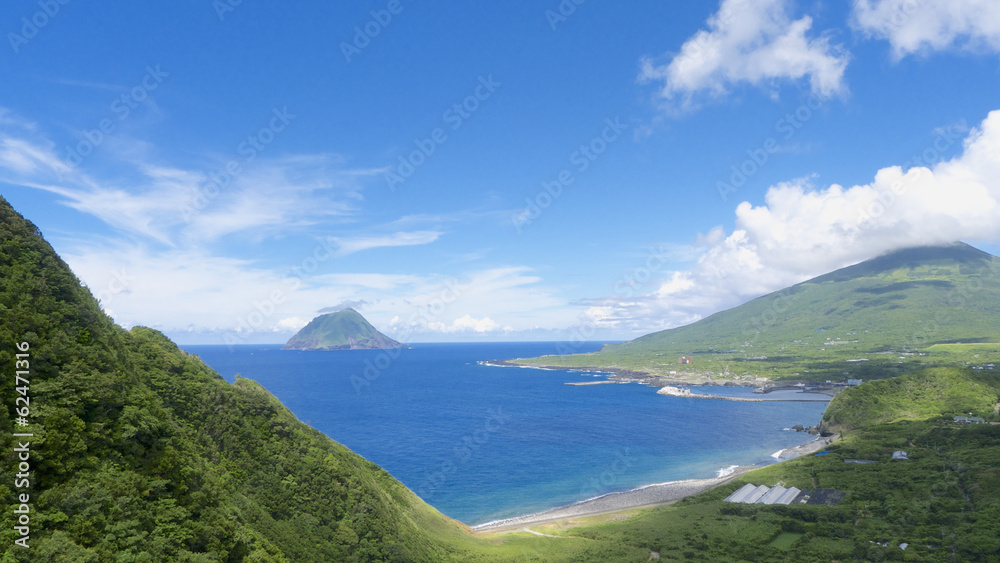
{"points": [[139, 448], [886, 311], [140, 452], [342, 330]]}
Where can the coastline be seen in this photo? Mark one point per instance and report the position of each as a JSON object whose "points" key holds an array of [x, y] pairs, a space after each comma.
{"points": [[647, 496], [642, 497], [627, 375]]}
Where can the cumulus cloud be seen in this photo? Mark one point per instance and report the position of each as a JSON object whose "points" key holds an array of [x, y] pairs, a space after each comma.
{"points": [[292, 323], [749, 42], [468, 323], [920, 26], [803, 231]]}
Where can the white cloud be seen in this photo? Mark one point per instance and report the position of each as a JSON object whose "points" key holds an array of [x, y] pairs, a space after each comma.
{"points": [[801, 232], [292, 323], [196, 295], [753, 42], [920, 26], [468, 323], [175, 206], [170, 270], [350, 245]]}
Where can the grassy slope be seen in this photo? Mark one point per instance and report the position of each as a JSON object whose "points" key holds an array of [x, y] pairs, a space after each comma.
{"points": [[338, 330], [883, 309], [920, 396], [944, 501], [143, 453]]}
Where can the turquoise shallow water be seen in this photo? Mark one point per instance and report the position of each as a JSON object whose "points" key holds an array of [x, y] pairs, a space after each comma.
{"points": [[482, 443]]}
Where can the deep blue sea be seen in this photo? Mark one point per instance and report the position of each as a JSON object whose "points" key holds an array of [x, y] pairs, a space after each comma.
{"points": [[481, 443]]}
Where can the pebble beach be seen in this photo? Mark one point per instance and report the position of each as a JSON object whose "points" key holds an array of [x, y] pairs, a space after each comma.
{"points": [[650, 495]]}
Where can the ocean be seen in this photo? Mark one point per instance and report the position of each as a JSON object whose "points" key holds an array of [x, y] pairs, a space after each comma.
{"points": [[482, 443]]}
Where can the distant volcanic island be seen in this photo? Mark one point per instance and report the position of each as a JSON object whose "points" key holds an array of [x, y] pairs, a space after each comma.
{"points": [[342, 330]]}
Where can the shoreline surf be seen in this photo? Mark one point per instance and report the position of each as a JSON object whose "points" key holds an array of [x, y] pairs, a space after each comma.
{"points": [[645, 496]]}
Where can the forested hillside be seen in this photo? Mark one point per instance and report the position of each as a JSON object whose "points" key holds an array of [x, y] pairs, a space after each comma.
{"points": [[140, 452]]}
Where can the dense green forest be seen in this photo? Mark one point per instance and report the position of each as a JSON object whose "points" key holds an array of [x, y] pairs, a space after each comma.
{"points": [[140, 452]]}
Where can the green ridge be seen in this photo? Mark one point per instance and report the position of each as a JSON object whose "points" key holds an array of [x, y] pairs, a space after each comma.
{"points": [[142, 453], [894, 311], [341, 330]]}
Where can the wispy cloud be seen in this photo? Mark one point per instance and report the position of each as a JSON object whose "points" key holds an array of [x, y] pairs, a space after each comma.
{"points": [[350, 245], [179, 206]]}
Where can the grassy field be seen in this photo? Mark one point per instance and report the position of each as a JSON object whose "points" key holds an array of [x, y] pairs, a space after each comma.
{"points": [[944, 502]]}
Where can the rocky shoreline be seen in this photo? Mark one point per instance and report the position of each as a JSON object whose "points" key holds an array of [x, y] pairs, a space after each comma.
{"points": [[627, 375], [642, 497], [650, 495]]}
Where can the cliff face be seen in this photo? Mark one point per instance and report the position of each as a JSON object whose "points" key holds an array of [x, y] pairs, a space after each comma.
{"points": [[343, 330]]}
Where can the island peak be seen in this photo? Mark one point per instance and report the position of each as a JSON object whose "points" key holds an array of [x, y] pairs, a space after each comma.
{"points": [[342, 330]]}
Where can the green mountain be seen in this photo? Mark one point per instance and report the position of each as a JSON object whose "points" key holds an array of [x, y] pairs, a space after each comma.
{"points": [[893, 314], [140, 452], [342, 330]]}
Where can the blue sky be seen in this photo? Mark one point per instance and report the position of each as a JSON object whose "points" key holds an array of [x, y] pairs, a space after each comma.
{"points": [[542, 170]]}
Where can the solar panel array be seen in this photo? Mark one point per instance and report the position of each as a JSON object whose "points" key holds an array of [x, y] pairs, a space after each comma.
{"points": [[751, 494]]}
